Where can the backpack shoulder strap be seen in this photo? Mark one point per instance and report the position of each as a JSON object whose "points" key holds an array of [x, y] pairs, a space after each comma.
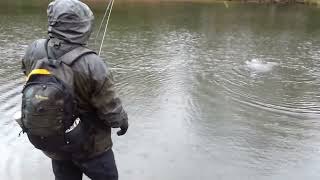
{"points": [[70, 57]]}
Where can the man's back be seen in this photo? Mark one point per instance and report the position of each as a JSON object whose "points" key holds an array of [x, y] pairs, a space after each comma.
{"points": [[94, 91], [70, 26]]}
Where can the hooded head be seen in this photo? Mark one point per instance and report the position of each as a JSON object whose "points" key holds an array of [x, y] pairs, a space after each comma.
{"points": [[70, 20]]}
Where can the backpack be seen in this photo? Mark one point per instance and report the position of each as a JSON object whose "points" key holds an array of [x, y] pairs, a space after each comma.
{"points": [[49, 109]]}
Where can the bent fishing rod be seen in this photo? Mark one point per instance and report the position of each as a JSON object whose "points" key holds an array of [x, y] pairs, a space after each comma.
{"points": [[108, 11]]}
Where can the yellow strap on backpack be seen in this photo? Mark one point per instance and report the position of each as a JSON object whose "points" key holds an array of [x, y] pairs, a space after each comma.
{"points": [[38, 71]]}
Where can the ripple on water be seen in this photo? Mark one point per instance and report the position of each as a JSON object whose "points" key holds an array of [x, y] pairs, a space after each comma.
{"points": [[195, 95], [270, 89], [10, 97]]}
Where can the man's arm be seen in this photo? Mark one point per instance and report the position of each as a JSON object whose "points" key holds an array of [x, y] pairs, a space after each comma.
{"points": [[32, 53], [104, 99]]}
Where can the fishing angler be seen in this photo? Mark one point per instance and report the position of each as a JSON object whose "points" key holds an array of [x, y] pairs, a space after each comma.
{"points": [[69, 103]]}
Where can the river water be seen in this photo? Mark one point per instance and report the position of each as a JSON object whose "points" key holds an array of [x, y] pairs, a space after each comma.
{"points": [[212, 91]]}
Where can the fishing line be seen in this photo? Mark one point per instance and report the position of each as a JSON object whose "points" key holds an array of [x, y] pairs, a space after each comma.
{"points": [[102, 21], [105, 30]]}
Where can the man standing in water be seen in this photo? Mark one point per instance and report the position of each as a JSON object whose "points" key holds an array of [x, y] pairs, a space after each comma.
{"points": [[70, 26]]}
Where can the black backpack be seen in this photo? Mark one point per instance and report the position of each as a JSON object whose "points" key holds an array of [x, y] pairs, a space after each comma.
{"points": [[49, 109]]}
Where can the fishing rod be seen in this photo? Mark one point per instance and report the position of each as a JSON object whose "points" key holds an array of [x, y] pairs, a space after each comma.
{"points": [[110, 5], [104, 17]]}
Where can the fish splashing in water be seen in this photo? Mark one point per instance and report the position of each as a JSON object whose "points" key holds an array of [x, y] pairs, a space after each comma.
{"points": [[259, 66]]}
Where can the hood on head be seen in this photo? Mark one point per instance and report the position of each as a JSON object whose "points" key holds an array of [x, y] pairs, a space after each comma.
{"points": [[70, 20]]}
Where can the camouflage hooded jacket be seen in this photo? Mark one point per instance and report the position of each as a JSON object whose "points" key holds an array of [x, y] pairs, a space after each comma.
{"points": [[70, 26]]}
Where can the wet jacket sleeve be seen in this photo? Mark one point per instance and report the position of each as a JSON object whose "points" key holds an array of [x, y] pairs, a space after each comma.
{"points": [[33, 52], [103, 97], [26, 63]]}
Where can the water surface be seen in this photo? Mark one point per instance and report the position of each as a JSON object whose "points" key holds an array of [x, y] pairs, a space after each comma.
{"points": [[212, 92]]}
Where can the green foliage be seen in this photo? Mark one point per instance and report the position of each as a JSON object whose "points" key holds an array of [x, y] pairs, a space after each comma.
{"points": [[312, 2]]}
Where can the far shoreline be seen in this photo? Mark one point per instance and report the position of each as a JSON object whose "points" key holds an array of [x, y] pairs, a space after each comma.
{"points": [[23, 5], [307, 2]]}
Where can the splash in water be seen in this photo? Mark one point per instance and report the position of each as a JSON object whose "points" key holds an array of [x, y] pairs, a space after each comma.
{"points": [[259, 66]]}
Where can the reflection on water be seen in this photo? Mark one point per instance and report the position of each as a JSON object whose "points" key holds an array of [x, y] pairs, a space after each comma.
{"points": [[212, 93]]}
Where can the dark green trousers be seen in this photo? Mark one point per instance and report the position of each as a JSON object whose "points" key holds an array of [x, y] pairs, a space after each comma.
{"points": [[102, 167]]}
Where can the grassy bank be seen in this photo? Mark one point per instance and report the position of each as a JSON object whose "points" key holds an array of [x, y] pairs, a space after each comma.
{"points": [[208, 1], [31, 5], [41, 2]]}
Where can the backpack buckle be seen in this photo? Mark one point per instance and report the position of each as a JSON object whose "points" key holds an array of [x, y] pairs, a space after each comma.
{"points": [[54, 63]]}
